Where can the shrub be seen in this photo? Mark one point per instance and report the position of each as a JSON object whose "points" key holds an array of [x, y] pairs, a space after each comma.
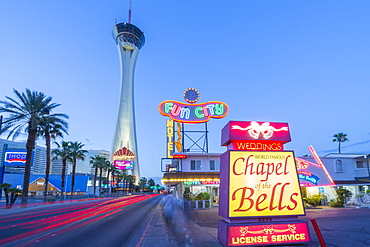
{"points": [[341, 197], [314, 200], [335, 203]]}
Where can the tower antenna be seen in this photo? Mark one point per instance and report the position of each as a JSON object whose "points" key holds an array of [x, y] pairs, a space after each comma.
{"points": [[129, 11]]}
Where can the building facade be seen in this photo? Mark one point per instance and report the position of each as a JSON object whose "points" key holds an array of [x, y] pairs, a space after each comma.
{"points": [[192, 174]]}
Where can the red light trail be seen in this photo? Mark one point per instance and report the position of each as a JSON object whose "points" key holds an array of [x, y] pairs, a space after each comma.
{"points": [[51, 219]]}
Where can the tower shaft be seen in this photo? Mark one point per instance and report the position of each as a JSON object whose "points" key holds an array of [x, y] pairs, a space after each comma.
{"points": [[129, 40]]}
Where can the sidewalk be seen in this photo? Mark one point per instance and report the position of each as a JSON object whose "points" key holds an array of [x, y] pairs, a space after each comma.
{"points": [[177, 230]]}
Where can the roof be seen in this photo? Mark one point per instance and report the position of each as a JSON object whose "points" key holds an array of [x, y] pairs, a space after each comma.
{"points": [[171, 177], [199, 154], [350, 156], [80, 181]]}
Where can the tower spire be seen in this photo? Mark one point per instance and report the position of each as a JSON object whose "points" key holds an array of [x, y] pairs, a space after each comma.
{"points": [[129, 11]]}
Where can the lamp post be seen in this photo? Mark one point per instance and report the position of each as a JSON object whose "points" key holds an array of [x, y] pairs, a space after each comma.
{"points": [[367, 165]]}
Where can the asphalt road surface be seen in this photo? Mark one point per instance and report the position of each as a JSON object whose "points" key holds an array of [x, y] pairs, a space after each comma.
{"points": [[105, 222]]}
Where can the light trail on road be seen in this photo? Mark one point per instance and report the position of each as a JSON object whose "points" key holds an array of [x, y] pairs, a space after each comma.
{"points": [[49, 219]]}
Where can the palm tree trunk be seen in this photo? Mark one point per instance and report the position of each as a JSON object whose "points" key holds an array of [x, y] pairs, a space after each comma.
{"points": [[95, 175], [108, 184], [47, 169], [100, 178], [64, 167], [73, 176], [339, 146], [32, 133]]}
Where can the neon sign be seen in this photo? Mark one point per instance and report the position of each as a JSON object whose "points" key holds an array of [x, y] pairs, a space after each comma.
{"points": [[180, 156], [124, 164], [193, 113], [257, 146], [268, 234], [308, 177], [169, 125], [200, 182], [313, 174], [255, 131]]}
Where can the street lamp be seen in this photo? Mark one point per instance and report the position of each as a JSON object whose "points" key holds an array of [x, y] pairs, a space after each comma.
{"points": [[367, 165]]}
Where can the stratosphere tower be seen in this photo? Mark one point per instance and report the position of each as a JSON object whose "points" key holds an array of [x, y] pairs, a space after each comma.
{"points": [[129, 39]]}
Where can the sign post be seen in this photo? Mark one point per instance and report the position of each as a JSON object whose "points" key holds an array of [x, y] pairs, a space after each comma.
{"points": [[260, 196]]}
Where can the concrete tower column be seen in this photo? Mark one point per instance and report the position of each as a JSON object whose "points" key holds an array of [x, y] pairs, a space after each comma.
{"points": [[129, 40]]}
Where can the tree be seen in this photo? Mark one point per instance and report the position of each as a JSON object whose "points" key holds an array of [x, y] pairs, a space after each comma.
{"points": [[340, 137], [103, 167], [99, 163], [111, 169], [77, 153], [25, 111], [51, 126], [13, 194], [142, 182], [63, 152], [151, 182], [131, 179], [114, 171], [5, 187]]}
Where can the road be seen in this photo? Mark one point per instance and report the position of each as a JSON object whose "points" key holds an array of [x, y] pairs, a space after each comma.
{"points": [[104, 222]]}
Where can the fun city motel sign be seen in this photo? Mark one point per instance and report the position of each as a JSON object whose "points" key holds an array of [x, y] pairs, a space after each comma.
{"points": [[260, 196], [188, 113]]}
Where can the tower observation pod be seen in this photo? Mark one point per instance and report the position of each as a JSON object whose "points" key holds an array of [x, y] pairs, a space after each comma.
{"points": [[129, 40]]}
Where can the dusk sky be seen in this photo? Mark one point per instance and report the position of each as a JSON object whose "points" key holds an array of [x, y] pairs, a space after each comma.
{"points": [[301, 62]]}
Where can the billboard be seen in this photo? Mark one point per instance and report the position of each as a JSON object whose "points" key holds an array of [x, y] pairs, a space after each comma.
{"points": [[124, 164], [15, 158], [269, 233]]}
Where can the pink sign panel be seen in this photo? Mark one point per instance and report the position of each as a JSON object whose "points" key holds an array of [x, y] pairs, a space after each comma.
{"points": [[268, 234], [256, 131], [124, 164]]}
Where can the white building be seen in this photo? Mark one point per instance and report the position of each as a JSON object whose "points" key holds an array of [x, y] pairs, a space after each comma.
{"points": [[348, 170]]}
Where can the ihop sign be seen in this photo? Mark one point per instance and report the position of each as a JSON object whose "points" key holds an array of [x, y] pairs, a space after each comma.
{"points": [[15, 157]]}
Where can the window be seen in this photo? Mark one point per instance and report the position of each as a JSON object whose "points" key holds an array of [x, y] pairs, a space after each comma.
{"points": [[195, 165], [338, 166], [214, 165], [360, 164]]}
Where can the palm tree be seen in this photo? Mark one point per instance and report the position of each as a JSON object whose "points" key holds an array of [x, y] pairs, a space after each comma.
{"points": [[77, 153], [99, 163], [131, 180], [5, 187], [103, 167], [25, 112], [340, 137], [114, 171], [110, 169], [51, 126], [63, 152]]}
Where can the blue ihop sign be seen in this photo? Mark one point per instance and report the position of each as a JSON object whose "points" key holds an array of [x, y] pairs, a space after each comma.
{"points": [[15, 158]]}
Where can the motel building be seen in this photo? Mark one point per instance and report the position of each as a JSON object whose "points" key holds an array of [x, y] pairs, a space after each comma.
{"points": [[188, 174], [348, 170]]}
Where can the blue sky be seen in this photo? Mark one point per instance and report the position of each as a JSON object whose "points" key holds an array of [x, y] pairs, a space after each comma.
{"points": [[301, 62]]}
